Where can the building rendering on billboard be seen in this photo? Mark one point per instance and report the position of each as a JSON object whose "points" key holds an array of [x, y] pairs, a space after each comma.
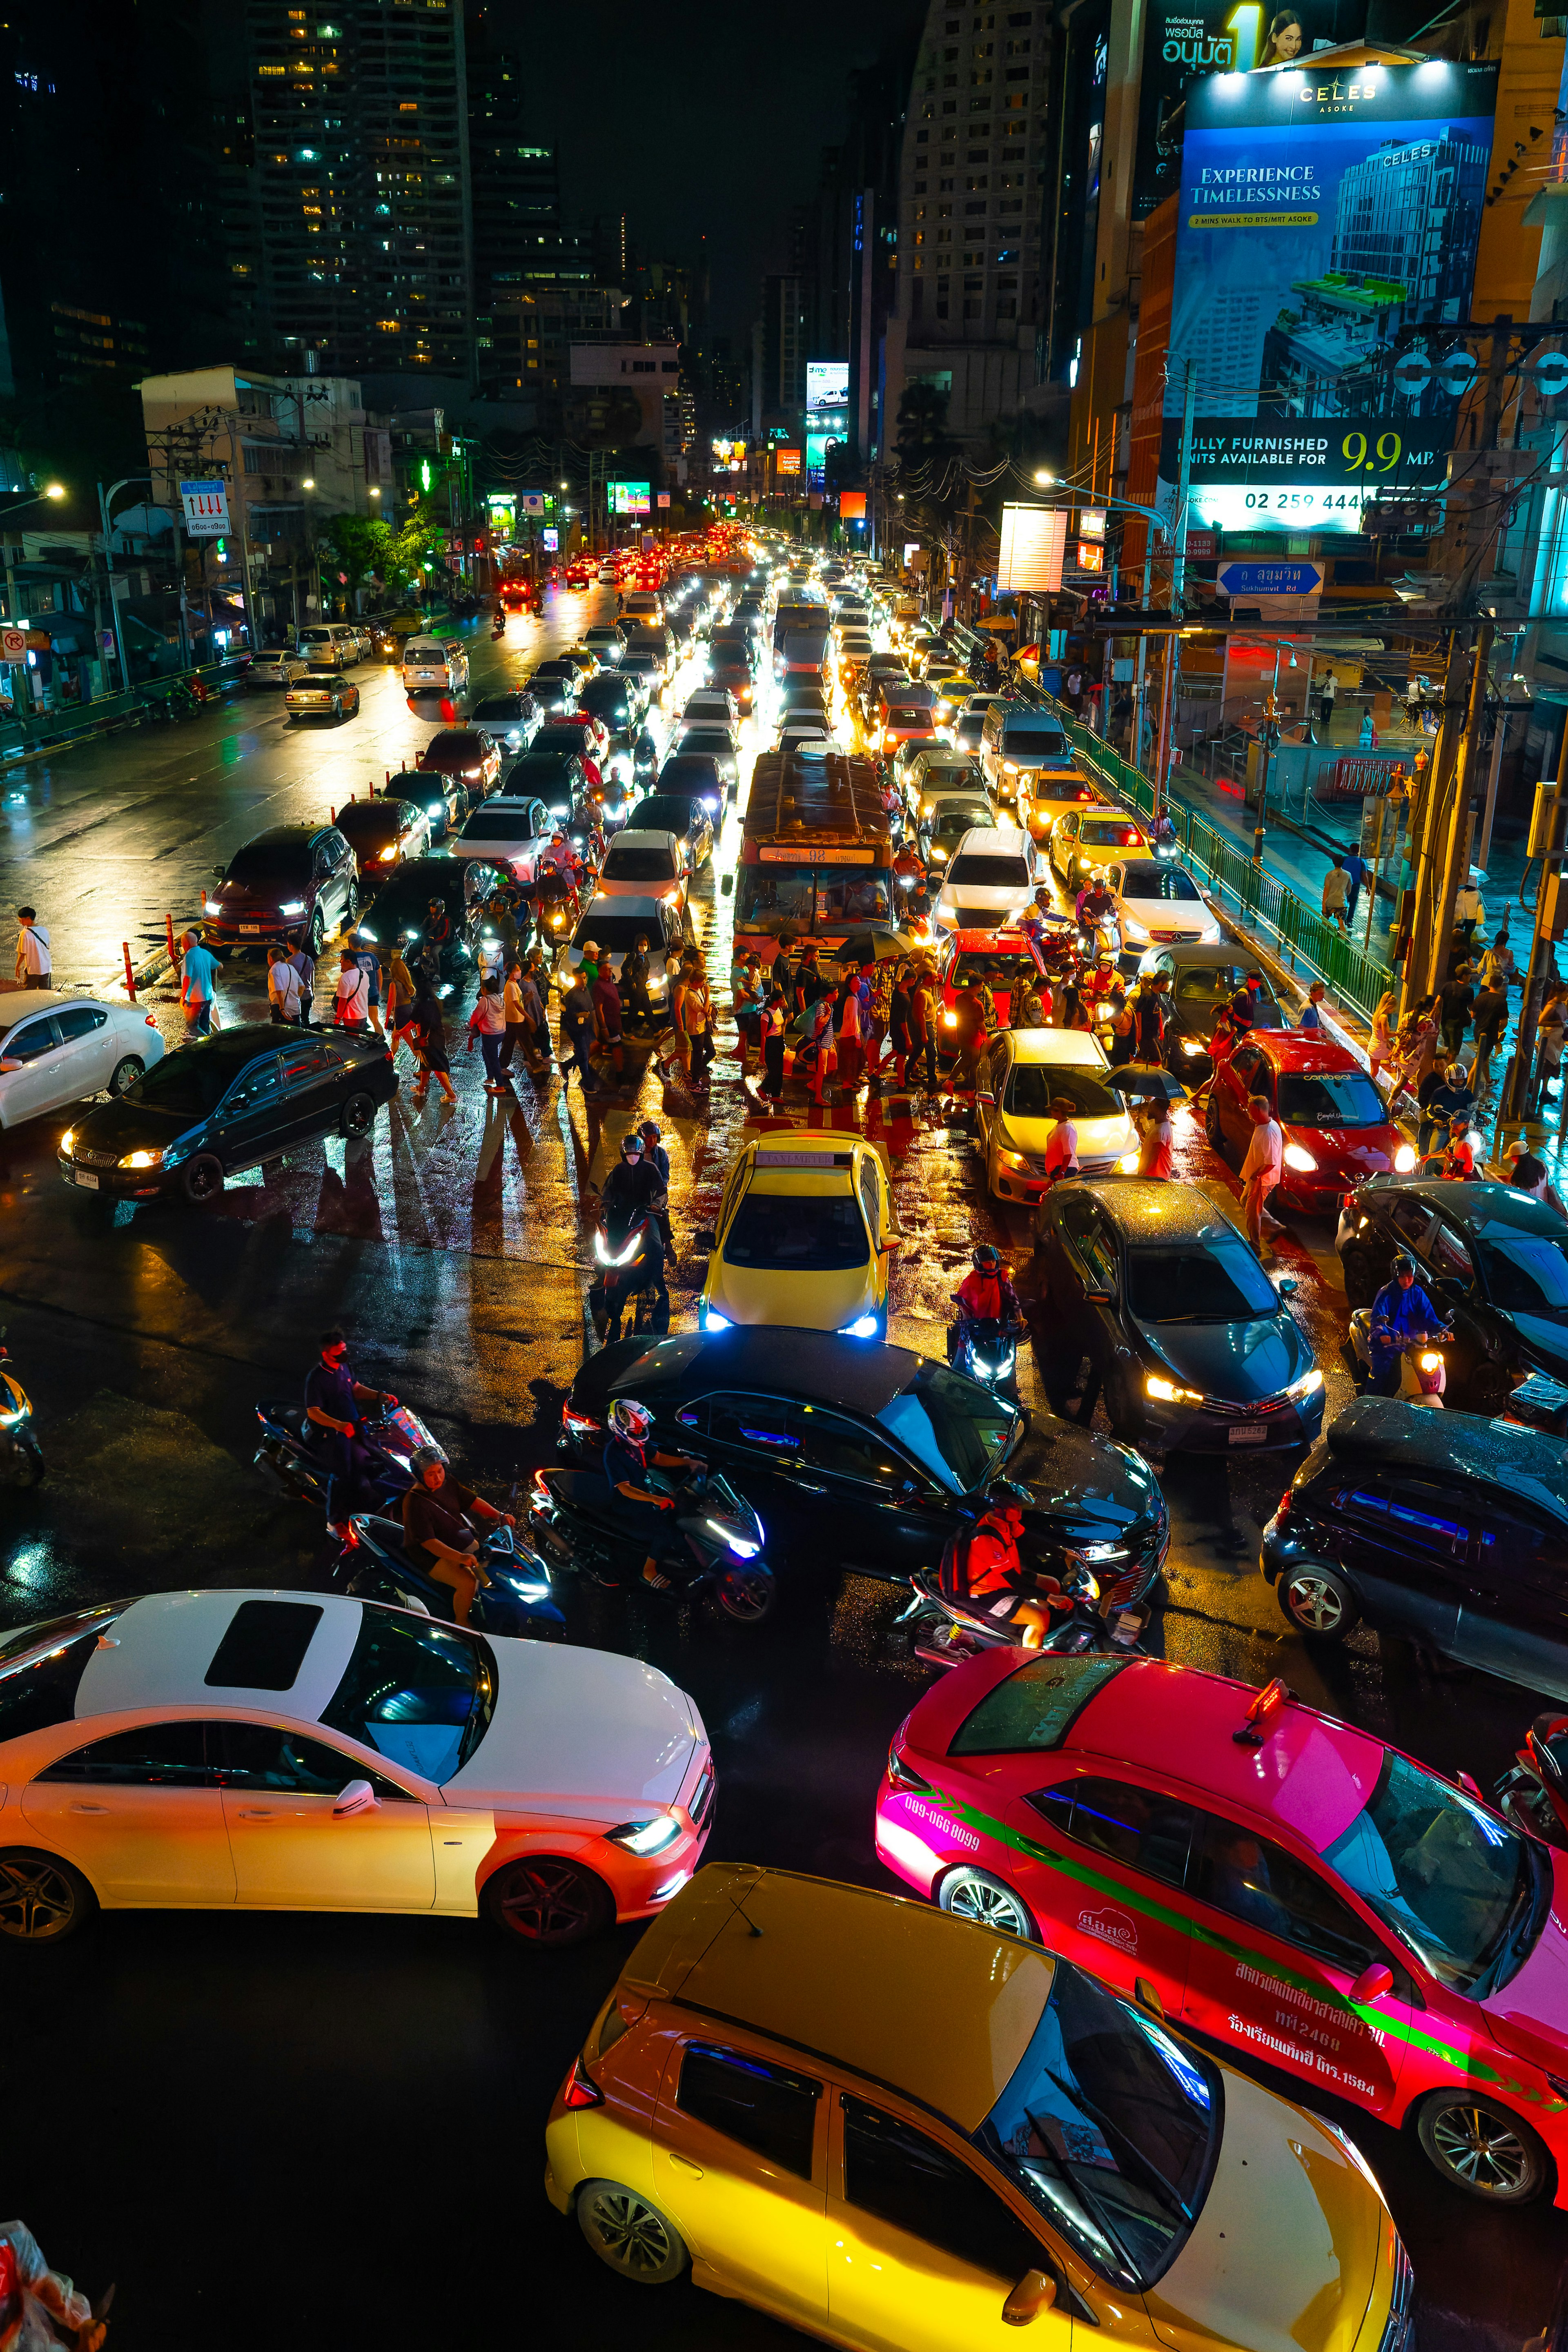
{"points": [[827, 414], [1325, 246]]}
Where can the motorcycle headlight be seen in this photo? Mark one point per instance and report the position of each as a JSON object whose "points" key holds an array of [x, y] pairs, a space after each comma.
{"points": [[437, 808], [1430, 1360], [741, 1545], [1166, 1391], [646, 1837], [863, 1327], [1405, 1158], [1311, 1383], [1295, 1157], [1192, 1045]]}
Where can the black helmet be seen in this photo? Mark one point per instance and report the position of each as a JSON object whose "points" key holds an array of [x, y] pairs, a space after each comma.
{"points": [[631, 1144], [1404, 1264], [988, 1260]]}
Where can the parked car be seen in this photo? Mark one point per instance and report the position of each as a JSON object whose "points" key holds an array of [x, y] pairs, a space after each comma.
{"points": [[320, 645], [294, 882], [1195, 1349], [683, 813], [225, 1103], [512, 720], [468, 755], [381, 833], [321, 693], [56, 1049], [1494, 1262], [1336, 1124], [868, 1458], [803, 1237], [513, 830], [1203, 981], [309, 1753], [274, 670], [1263, 1878]]}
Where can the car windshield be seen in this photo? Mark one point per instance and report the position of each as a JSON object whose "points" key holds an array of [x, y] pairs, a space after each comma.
{"points": [[1008, 971], [1034, 735], [1106, 832], [419, 1693], [1525, 1273], [499, 706], [370, 823], [269, 864], [1330, 1099], [1452, 1880], [663, 813], [986, 873], [1144, 879], [1032, 1085], [187, 1084], [958, 1429], [951, 824], [42, 1665], [1221, 1282], [1110, 2129], [454, 751], [498, 824], [631, 862], [1204, 983], [799, 1233]]}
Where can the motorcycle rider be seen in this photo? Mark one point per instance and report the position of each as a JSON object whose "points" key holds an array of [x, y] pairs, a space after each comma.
{"points": [[981, 1570], [1401, 1312], [984, 1295], [336, 1425], [1094, 906], [628, 1456], [437, 938], [632, 1192], [438, 1530]]}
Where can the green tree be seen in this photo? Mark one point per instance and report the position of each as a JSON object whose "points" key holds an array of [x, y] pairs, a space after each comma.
{"points": [[356, 546]]}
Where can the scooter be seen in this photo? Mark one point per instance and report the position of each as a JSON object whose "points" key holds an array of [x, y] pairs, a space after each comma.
{"points": [[21, 1456], [714, 1545], [988, 1352], [374, 1565], [1089, 1623], [304, 1476], [1533, 1793], [1423, 1370], [631, 1266]]}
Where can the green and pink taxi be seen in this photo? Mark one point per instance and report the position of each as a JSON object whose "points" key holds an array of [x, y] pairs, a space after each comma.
{"points": [[1263, 1877]]}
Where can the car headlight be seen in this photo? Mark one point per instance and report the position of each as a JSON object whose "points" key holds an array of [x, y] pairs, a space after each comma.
{"points": [[142, 1160], [950, 1020], [293, 906], [211, 906], [646, 1837], [1128, 1163], [1166, 1391], [1016, 1161], [1405, 1158], [67, 1139], [863, 1327], [1009, 767], [1295, 1157], [1311, 1383], [714, 1322], [1192, 1046], [939, 856]]}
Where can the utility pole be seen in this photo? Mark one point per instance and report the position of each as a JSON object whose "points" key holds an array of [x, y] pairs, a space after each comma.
{"points": [[1458, 841], [1413, 918], [1548, 832], [1184, 485], [1483, 848]]}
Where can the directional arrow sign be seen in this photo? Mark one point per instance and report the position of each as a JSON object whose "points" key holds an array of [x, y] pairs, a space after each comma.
{"points": [[1250, 580]]}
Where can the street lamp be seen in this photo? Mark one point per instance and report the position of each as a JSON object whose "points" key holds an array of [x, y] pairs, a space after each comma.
{"points": [[375, 492], [1043, 478], [309, 483]]}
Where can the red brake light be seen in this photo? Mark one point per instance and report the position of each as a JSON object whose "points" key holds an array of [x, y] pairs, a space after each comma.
{"points": [[579, 2089], [1130, 841]]}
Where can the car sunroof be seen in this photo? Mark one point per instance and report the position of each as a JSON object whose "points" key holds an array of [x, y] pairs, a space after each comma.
{"points": [[265, 1645]]}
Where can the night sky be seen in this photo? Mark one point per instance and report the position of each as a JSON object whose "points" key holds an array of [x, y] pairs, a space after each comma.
{"points": [[701, 120]]}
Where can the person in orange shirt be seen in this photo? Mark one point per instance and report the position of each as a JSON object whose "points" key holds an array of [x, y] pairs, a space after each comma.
{"points": [[983, 1570], [984, 1295]]}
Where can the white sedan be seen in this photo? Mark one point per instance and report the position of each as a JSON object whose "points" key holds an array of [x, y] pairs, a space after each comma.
{"points": [[1159, 905], [55, 1050], [506, 832], [292, 1751]]}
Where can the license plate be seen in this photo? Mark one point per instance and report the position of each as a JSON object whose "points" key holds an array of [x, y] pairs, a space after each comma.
{"points": [[83, 1177], [251, 930], [1249, 1434]]}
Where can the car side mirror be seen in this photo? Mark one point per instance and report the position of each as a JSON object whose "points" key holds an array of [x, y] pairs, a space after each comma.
{"points": [[1373, 1982], [705, 1241], [888, 1248], [359, 1797], [1286, 1285], [1099, 1297], [1035, 2291], [1146, 1993]]}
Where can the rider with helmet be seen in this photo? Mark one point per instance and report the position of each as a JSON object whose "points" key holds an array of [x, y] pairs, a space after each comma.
{"points": [[984, 1295], [1401, 1312], [439, 1533], [981, 1570], [629, 1455], [1095, 905], [634, 1194]]}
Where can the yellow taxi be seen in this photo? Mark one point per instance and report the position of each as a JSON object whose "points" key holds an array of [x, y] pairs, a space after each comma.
{"points": [[804, 1235], [904, 2132]]}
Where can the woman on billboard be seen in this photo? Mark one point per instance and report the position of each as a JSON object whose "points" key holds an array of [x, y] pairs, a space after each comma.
{"points": [[1283, 45]]}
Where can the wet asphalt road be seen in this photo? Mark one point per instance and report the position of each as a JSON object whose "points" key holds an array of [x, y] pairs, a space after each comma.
{"points": [[306, 2129]]}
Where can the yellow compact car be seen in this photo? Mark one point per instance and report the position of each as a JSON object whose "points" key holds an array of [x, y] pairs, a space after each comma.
{"points": [[906, 2133], [805, 1233]]}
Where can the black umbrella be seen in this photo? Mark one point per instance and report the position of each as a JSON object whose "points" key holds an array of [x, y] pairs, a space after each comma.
{"points": [[874, 946]]}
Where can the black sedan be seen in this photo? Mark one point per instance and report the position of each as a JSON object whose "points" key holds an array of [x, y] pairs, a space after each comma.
{"points": [[1444, 1527], [444, 798], [401, 915], [555, 685], [683, 813], [1194, 1348], [709, 741], [1203, 980], [1494, 1263], [554, 777], [226, 1103], [870, 1458]]}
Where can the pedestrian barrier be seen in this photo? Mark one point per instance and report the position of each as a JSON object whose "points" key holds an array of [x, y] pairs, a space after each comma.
{"points": [[1304, 941], [1356, 777], [52, 729]]}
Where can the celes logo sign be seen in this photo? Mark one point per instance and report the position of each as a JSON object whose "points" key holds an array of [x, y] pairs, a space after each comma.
{"points": [[1335, 92]]}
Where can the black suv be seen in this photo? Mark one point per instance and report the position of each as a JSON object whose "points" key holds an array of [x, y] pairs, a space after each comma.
{"points": [[1438, 1525], [294, 882]]}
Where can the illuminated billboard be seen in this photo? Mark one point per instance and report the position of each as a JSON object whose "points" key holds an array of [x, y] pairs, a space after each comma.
{"points": [[1034, 541], [1183, 39], [786, 461], [852, 505], [629, 498], [827, 389], [1325, 246]]}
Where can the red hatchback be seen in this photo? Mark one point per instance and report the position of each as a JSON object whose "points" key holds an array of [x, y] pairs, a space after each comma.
{"points": [[1266, 1876], [1336, 1124], [1006, 960]]}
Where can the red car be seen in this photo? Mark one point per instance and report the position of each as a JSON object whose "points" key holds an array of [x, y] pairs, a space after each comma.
{"points": [[1336, 1124], [1266, 1877], [573, 730], [903, 724], [579, 575], [1006, 959]]}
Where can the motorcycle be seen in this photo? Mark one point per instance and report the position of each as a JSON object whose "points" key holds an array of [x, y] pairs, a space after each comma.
{"points": [[287, 1454], [948, 1631], [21, 1456], [519, 1600], [631, 1269], [1102, 937], [987, 1351], [1533, 1793], [1423, 1370], [714, 1545]]}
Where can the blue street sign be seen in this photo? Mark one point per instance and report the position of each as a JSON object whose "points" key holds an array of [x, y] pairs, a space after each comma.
{"points": [[1270, 579]]}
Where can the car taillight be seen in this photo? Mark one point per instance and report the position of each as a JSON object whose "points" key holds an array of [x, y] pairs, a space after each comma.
{"points": [[1130, 841], [579, 2089]]}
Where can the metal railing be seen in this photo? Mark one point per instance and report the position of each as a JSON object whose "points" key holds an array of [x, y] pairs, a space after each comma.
{"points": [[1238, 884], [23, 733]]}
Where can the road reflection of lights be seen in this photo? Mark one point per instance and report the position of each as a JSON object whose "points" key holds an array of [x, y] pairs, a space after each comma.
{"points": [[29, 1568]]}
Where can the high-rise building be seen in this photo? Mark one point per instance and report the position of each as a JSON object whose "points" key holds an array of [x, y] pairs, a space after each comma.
{"points": [[784, 353]]}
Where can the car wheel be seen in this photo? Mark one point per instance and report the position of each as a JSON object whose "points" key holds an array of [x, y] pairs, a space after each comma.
{"points": [[1485, 2149], [629, 2234], [546, 1899], [1319, 1602], [1211, 1122], [359, 1115], [1361, 1283], [202, 1179], [351, 904], [42, 1900], [125, 1074], [316, 939], [1489, 1388], [989, 1902]]}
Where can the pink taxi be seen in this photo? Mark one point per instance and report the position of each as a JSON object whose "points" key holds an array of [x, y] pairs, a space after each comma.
{"points": [[1265, 1877]]}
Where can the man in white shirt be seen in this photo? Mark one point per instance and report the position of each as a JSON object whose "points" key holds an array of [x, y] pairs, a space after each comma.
{"points": [[352, 1008], [284, 987], [33, 962], [1260, 1171]]}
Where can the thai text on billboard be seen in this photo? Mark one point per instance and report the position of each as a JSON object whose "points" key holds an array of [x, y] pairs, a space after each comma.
{"points": [[1325, 246], [1185, 38]]}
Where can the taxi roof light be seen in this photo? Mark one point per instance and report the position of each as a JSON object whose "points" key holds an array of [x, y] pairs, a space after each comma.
{"points": [[1260, 1714]]}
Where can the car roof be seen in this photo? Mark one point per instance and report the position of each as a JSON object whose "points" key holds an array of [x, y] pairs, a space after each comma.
{"points": [[1146, 1210], [162, 1646], [17, 1004], [1052, 1048], [846, 1973], [1002, 840], [1489, 1203], [608, 902], [1181, 952], [990, 943], [1389, 1435], [859, 1375], [283, 837], [646, 836], [1294, 1050]]}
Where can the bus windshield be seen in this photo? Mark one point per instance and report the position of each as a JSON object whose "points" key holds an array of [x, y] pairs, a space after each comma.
{"points": [[810, 899]]}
